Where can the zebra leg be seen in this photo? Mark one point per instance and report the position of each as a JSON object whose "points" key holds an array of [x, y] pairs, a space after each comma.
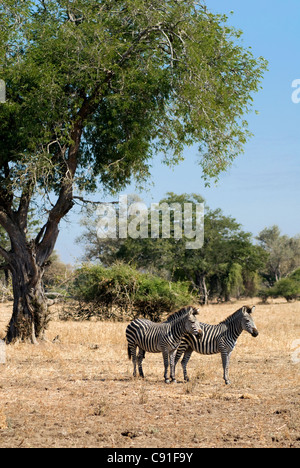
{"points": [[184, 363], [172, 366], [134, 359], [178, 356], [141, 356], [166, 364], [225, 361]]}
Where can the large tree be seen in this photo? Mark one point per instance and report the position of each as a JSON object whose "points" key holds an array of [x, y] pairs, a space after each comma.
{"points": [[94, 89], [283, 254]]}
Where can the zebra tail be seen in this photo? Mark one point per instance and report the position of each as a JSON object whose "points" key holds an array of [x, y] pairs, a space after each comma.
{"points": [[129, 353]]}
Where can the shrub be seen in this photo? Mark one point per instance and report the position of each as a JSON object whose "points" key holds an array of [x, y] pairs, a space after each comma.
{"points": [[121, 292], [296, 275], [289, 288]]}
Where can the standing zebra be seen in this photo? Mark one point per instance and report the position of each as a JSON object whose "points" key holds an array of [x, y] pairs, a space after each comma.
{"points": [[216, 339], [161, 338]]}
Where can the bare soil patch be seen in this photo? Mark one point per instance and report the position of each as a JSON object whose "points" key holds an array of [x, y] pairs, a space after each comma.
{"points": [[78, 391]]}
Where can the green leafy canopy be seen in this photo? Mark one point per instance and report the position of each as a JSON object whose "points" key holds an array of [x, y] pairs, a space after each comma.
{"points": [[131, 77]]}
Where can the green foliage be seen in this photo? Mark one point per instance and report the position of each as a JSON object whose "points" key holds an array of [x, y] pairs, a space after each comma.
{"points": [[217, 267], [234, 282], [227, 265], [134, 76], [289, 288], [295, 276], [283, 254], [121, 290]]}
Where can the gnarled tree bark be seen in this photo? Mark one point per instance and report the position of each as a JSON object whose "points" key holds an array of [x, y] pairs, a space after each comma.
{"points": [[26, 259], [30, 315]]}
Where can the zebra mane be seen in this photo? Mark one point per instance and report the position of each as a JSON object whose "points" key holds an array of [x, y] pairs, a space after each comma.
{"points": [[234, 316], [181, 313]]}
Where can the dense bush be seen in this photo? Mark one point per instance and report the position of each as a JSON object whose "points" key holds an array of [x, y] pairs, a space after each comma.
{"points": [[121, 292], [296, 275], [289, 288]]}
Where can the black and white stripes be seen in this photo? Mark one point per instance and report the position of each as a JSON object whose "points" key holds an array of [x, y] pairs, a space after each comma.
{"points": [[161, 338], [219, 338]]}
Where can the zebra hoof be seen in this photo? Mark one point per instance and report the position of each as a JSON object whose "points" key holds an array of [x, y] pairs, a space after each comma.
{"points": [[227, 382], [173, 381], [167, 381]]}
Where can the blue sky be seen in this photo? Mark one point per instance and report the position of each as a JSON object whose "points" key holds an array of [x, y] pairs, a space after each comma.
{"points": [[263, 186]]}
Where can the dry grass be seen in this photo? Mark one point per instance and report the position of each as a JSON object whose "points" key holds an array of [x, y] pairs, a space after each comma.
{"points": [[78, 391]]}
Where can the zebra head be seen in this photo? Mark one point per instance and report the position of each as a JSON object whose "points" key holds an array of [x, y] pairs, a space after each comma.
{"points": [[247, 321], [192, 325]]}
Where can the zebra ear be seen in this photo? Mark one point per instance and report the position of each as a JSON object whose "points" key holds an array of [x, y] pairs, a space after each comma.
{"points": [[194, 311], [252, 310]]}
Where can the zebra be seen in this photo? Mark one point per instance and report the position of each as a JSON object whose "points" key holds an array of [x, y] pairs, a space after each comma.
{"points": [[221, 338], [161, 338]]}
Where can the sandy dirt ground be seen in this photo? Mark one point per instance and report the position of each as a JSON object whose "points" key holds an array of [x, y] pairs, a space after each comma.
{"points": [[78, 390]]}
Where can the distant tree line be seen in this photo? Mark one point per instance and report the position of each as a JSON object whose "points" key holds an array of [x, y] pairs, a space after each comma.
{"points": [[149, 276], [230, 264]]}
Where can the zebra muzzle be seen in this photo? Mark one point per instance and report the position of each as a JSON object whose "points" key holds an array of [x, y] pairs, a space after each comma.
{"points": [[255, 333]]}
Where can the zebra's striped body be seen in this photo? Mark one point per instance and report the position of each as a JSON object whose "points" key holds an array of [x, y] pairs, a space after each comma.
{"points": [[216, 339], [160, 338]]}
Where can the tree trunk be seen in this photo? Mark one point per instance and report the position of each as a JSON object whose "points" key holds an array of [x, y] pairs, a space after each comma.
{"points": [[227, 296], [6, 277], [26, 259], [30, 315], [202, 287]]}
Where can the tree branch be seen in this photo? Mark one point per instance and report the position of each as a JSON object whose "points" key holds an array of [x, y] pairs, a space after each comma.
{"points": [[95, 202], [45, 248], [142, 34], [24, 205], [4, 254], [47, 236], [72, 17], [6, 169], [40, 234], [6, 199], [6, 222]]}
